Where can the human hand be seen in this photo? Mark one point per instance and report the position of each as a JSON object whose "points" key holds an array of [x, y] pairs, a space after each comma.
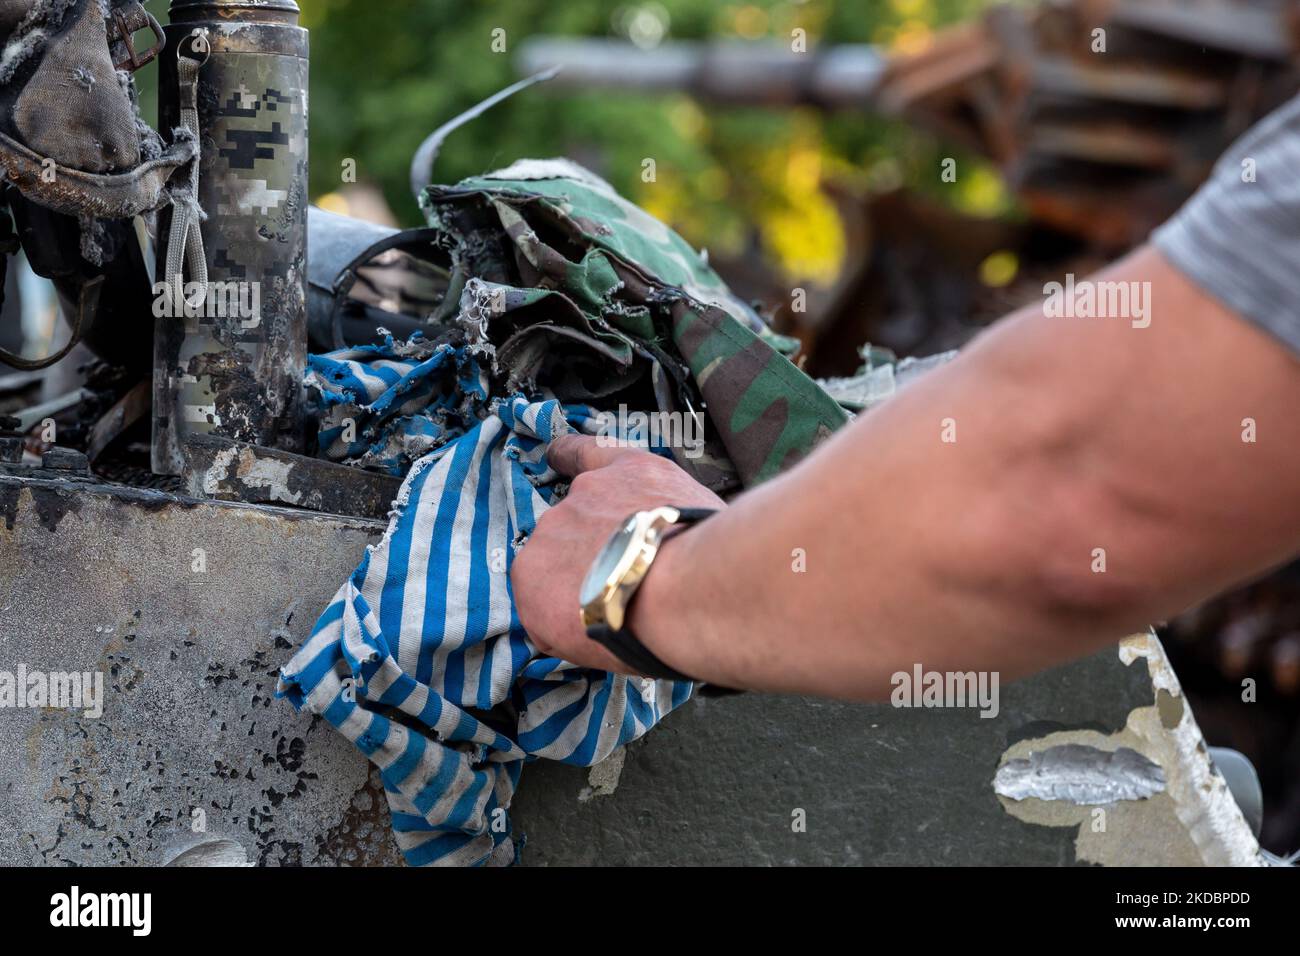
{"points": [[608, 484]]}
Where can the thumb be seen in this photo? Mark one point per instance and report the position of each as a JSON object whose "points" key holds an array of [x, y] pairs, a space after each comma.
{"points": [[571, 455]]}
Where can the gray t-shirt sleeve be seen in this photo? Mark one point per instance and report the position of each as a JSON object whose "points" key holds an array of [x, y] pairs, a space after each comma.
{"points": [[1238, 238]]}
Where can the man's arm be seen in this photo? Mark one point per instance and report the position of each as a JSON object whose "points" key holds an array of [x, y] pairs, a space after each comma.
{"points": [[1071, 435]]}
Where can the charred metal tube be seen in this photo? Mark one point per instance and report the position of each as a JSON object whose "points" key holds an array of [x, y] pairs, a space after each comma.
{"points": [[231, 362]]}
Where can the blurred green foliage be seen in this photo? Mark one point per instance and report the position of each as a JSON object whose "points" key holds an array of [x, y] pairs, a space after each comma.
{"points": [[386, 72]]}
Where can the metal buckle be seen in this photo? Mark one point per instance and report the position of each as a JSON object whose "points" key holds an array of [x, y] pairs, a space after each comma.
{"points": [[124, 28]]}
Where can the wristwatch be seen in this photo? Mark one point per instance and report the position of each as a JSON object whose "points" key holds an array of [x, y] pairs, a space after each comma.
{"points": [[614, 577]]}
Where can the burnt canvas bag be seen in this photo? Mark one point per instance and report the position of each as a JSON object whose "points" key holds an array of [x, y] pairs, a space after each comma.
{"points": [[70, 134]]}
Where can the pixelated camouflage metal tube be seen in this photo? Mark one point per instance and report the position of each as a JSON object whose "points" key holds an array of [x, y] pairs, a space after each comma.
{"points": [[235, 369]]}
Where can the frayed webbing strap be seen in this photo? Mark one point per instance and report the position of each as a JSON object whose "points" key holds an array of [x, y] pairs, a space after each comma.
{"points": [[185, 244]]}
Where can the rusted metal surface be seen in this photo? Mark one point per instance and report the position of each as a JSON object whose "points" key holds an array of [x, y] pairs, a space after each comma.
{"points": [[236, 471], [12, 442], [187, 608], [881, 785]]}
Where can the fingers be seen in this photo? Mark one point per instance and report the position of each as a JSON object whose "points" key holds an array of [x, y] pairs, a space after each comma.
{"points": [[573, 454]]}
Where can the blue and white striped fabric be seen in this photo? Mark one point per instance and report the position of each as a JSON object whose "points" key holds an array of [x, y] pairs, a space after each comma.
{"points": [[387, 405], [420, 659]]}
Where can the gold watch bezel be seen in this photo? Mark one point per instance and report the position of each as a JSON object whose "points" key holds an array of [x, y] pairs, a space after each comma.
{"points": [[609, 607]]}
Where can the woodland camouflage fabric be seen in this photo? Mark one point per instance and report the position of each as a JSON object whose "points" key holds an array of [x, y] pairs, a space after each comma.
{"points": [[573, 290], [562, 300]]}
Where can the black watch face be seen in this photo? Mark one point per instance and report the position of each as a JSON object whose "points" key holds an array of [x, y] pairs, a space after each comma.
{"points": [[606, 562]]}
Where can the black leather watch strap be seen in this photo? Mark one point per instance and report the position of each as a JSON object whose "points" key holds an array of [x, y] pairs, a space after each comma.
{"points": [[628, 648], [693, 515], [633, 653]]}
